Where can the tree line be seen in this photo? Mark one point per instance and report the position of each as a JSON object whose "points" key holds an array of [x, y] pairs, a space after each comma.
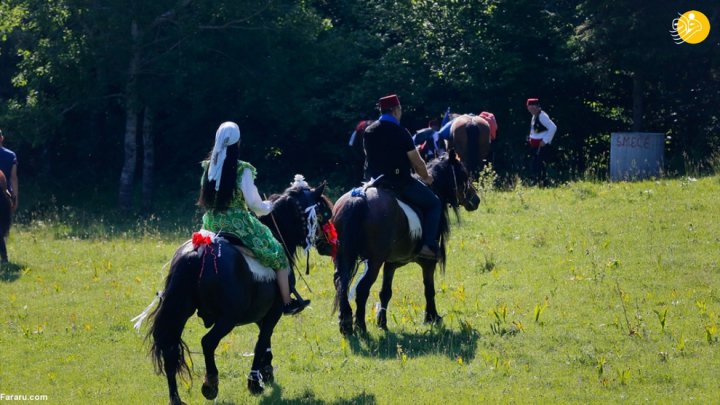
{"points": [[127, 94]]}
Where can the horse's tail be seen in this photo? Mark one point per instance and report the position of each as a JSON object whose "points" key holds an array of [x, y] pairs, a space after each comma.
{"points": [[472, 160], [352, 215], [445, 235], [167, 321]]}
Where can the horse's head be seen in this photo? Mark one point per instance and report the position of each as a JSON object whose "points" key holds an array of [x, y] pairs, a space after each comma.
{"points": [[315, 211], [324, 236], [452, 182]]}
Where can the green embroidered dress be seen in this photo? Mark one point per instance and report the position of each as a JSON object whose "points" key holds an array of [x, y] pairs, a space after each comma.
{"points": [[238, 220]]}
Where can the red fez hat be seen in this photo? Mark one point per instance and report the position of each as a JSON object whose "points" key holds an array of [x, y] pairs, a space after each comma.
{"points": [[389, 102], [360, 128], [532, 101]]}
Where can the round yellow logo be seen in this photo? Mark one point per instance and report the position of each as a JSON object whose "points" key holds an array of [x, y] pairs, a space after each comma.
{"points": [[691, 27]]}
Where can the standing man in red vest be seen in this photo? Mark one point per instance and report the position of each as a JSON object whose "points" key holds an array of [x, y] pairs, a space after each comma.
{"points": [[542, 131]]}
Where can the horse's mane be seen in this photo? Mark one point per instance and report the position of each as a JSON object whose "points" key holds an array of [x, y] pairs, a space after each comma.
{"points": [[287, 213], [441, 171]]}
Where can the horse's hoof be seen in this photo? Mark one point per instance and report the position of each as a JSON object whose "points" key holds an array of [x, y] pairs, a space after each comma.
{"points": [[361, 327], [210, 387], [209, 392], [433, 319], [268, 374], [382, 321], [176, 401], [346, 328], [256, 383], [255, 388]]}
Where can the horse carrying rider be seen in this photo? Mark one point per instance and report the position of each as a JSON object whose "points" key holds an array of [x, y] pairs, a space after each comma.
{"points": [[428, 142], [228, 204], [390, 153]]}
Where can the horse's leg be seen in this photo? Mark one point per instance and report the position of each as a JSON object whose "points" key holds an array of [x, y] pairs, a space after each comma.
{"points": [[431, 314], [169, 355], [169, 343], [262, 370], [167, 324], [341, 278], [362, 292], [209, 343], [386, 293]]}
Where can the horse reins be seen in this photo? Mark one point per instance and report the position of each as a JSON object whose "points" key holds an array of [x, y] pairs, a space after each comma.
{"points": [[455, 185], [285, 247]]}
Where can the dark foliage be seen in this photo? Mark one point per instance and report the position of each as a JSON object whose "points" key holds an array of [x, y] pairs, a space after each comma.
{"points": [[297, 76]]}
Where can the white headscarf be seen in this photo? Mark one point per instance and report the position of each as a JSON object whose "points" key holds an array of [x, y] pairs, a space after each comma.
{"points": [[227, 134]]}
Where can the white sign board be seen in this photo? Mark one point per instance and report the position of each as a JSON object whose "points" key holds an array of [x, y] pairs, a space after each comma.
{"points": [[636, 155]]}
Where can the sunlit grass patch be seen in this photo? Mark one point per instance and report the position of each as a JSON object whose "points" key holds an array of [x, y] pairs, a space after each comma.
{"points": [[585, 293]]}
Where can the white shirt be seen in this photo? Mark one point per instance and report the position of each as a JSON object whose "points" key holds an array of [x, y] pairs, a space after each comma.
{"points": [[251, 195], [546, 136]]}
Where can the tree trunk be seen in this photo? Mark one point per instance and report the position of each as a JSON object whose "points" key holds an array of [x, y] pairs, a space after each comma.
{"points": [[148, 161], [128, 171], [131, 116], [638, 104]]}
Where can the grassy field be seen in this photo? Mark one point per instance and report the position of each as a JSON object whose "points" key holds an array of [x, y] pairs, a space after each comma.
{"points": [[584, 293]]}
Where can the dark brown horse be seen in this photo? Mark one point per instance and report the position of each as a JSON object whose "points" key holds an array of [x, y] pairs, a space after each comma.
{"points": [[372, 226], [220, 284], [5, 216], [470, 136]]}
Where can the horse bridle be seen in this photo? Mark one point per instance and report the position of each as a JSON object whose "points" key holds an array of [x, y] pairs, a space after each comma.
{"points": [[310, 221], [314, 220], [455, 186]]}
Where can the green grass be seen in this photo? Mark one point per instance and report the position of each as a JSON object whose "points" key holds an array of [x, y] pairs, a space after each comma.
{"points": [[589, 292]]}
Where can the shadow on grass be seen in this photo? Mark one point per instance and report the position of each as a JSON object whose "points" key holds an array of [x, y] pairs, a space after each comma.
{"points": [[9, 272], [307, 397], [437, 340]]}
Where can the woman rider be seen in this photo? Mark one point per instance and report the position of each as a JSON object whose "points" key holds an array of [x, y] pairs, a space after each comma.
{"points": [[227, 194]]}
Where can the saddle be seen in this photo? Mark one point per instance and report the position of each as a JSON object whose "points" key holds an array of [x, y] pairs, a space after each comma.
{"points": [[414, 218], [259, 271], [413, 214], [205, 238], [236, 243]]}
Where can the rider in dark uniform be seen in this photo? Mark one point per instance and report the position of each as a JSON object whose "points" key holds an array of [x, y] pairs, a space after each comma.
{"points": [[427, 141], [390, 152]]}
